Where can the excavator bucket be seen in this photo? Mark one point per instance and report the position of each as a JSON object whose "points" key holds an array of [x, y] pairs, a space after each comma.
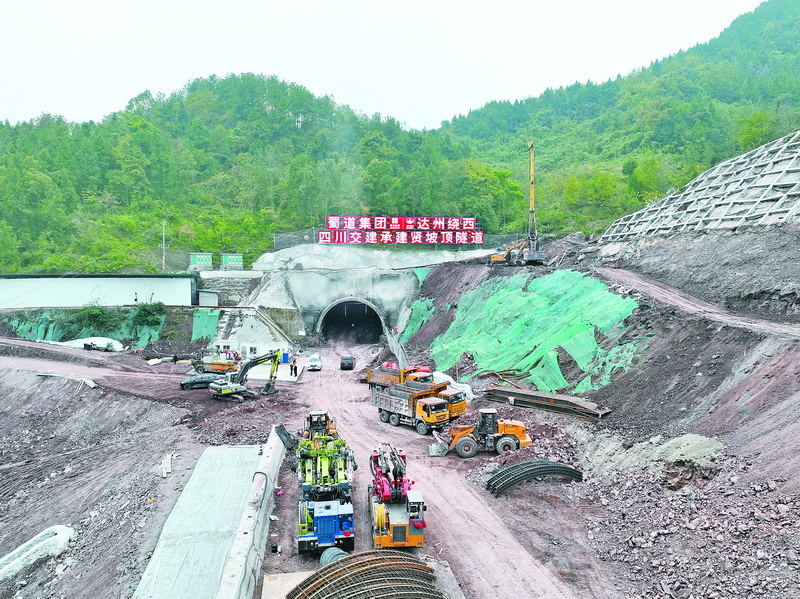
{"points": [[440, 449]]}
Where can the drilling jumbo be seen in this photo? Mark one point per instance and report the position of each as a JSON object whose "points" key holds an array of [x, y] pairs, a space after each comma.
{"points": [[325, 466], [527, 251], [397, 510]]}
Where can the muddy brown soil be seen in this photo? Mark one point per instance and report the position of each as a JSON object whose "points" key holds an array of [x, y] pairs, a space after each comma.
{"points": [[89, 458]]}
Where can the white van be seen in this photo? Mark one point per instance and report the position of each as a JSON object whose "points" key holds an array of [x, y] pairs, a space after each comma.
{"points": [[314, 362]]}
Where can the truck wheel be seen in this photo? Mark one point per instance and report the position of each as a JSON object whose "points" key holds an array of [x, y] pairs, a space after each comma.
{"points": [[383, 415], [394, 420], [199, 369], [422, 427], [505, 445], [467, 447]]}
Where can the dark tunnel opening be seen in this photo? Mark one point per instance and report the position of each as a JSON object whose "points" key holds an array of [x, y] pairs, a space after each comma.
{"points": [[352, 322]]}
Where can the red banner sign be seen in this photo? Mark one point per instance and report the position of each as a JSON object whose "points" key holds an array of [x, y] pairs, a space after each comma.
{"points": [[386, 230]]}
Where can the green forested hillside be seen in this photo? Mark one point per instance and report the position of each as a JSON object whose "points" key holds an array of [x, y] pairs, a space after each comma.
{"points": [[608, 149], [228, 162]]}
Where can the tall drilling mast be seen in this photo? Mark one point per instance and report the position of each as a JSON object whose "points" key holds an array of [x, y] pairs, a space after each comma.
{"points": [[533, 234]]}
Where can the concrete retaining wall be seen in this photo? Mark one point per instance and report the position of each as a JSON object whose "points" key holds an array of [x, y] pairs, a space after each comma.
{"points": [[233, 285]]}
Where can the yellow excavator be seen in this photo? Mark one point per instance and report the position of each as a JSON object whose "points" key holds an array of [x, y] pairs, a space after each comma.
{"points": [[233, 387], [527, 251]]}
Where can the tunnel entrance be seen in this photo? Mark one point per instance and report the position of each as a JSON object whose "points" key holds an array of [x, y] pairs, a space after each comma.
{"points": [[351, 322]]}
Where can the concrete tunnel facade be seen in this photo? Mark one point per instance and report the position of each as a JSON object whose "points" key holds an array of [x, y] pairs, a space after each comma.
{"points": [[343, 300], [317, 293]]}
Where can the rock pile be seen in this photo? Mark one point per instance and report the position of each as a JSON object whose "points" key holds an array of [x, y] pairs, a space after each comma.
{"points": [[722, 538]]}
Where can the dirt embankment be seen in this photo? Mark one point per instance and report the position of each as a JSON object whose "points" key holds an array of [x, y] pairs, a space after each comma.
{"points": [[751, 272], [90, 458], [672, 527]]}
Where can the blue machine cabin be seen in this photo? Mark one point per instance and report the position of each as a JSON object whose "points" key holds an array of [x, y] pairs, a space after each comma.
{"points": [[324, 524]]}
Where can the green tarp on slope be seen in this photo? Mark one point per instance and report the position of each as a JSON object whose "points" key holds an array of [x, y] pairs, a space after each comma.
{"points": [[44, 327], [504, 327], [204, 324], [421, 311]]}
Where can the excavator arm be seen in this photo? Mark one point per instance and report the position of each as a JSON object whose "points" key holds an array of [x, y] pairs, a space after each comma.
{"points": [[269, 386], [241, 376]]}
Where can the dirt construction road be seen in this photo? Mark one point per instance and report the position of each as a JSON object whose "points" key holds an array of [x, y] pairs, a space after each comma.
{"points": [[671, 296], [506, 547]]}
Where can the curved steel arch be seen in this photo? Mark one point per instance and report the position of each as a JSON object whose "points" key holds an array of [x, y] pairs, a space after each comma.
{"points": [[318, 327]]}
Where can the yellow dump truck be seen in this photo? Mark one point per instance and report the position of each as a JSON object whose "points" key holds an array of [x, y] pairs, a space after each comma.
{"points": [[383, 376], [424, 409]]}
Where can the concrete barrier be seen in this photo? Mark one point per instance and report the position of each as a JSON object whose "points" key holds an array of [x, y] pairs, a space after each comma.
{"points": [[243, 568]]}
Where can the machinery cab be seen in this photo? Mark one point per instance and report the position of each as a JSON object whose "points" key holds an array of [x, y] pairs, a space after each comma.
{"points": [[432, 410], [420, 376], [531, 254], [319, 423], [487, 427], [415, 505], [456, 402]]}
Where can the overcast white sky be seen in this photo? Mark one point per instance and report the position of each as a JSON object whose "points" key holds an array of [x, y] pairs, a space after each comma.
{"points": [[420, 62]]}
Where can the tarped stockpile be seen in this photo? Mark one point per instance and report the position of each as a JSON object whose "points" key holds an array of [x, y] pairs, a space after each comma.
{"points": [[504, 327], [204, 325], [195, 542]]}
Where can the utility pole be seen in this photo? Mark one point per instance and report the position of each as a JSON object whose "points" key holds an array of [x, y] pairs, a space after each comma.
{"points": [[163, 246]]}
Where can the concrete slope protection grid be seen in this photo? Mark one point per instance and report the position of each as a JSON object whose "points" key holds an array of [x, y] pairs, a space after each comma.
{"points": [[505, 324]]}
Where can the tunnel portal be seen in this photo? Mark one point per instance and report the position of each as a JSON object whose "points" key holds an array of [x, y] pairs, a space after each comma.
{"points": [[351, 322]]}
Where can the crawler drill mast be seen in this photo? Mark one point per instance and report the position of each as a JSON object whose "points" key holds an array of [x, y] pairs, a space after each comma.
{"points": [[526, 251]]}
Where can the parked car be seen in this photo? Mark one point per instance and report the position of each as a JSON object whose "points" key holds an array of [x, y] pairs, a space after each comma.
{"points": [[314, 362], [199, 381], [347, 363]]}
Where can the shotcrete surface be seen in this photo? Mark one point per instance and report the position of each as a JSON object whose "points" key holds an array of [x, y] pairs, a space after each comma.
{"points": [[337, 257]]}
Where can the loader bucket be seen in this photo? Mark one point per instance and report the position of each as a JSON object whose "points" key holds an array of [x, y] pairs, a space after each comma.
{"points": [[440, 449], [437, 450]]}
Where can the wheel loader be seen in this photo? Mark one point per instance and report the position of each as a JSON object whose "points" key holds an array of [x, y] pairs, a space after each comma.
{"points": [[491, 434]]}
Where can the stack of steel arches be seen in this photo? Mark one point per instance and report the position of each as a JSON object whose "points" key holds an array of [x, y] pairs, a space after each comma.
{"points": [[383, 574], [507, 477]]}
